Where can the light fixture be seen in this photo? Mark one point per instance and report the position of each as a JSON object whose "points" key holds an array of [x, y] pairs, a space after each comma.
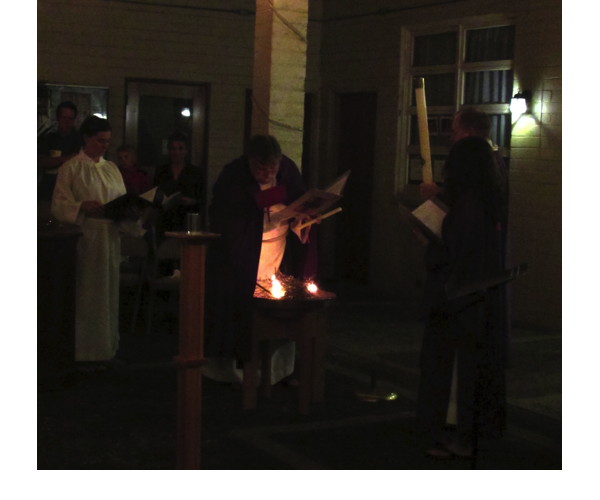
{"points": [[186, 112], [519, 104]]}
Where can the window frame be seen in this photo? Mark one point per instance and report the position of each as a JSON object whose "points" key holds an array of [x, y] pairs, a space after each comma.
{"points": [[460, 68]]}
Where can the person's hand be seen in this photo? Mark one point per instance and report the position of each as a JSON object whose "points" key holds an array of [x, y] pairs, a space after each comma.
{"points": [[91, 207], [305, 231], [428, 190], [298, 221]]}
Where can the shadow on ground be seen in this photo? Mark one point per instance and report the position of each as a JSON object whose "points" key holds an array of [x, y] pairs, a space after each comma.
{"points": [[125, 417]]}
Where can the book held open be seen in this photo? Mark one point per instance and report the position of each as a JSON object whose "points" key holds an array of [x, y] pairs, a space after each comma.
{"points": [[430, 217], [314, 202], [133, 207]]}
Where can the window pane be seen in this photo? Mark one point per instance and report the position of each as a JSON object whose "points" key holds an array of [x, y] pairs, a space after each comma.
{"points": [[435, 49], [490, 44], [415, 169], [488, 87], [440, 130], [501, 130], [439, 90]]}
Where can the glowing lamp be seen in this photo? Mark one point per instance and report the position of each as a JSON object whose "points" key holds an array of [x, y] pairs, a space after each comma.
{"points": [[519, 104]]}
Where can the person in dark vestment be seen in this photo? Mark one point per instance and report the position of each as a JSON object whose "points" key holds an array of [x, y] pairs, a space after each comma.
{"points": [[471, 122], [179, 176], [464, 347], [247, 191]]}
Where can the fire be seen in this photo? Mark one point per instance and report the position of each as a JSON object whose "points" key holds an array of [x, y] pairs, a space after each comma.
{"points": [[276, 288], [289, 289]]}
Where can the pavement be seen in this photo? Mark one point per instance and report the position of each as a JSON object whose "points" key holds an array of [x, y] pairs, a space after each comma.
{"points": [[124, 417]]}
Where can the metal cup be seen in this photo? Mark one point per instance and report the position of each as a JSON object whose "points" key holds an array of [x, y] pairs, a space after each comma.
{"points": [[192, 222]]}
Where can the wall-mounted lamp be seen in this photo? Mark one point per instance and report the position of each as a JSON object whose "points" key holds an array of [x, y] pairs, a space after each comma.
{"points": [[186, 112], [519, 104]]}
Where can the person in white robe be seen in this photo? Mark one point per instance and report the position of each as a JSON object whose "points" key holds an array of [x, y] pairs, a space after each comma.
{"points": [[84, 184]]}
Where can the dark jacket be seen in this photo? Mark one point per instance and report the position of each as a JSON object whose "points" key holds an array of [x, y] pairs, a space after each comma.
{"points": [[232, 260], [470, 329]]}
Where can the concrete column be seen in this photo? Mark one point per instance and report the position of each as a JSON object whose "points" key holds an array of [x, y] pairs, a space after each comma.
{"points": [[280, 72]]}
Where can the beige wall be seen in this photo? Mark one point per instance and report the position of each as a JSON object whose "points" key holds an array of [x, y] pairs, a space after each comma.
{"points": [[536, 167], [103, 42]]}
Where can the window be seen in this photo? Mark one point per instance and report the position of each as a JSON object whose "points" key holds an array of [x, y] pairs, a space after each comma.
{"points": [[461, 67], [89, 101]]}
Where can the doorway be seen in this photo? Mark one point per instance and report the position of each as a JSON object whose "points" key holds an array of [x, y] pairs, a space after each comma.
{"points": [[355, 151], [156, 109]]}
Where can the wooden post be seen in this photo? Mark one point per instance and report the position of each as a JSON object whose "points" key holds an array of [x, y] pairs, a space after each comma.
{"points": [[191, 346]]}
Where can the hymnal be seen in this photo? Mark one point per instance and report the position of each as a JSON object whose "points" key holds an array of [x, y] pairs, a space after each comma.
{"points": [[430, 216], [314, 202], [126, 207], [132, 207]]}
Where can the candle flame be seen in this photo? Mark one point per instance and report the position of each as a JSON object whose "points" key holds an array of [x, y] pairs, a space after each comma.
{"points": [[311, 287], [276, 288]]}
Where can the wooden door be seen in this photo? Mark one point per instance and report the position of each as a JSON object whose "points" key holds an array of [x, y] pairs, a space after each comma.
{"points": [[355, 150]]}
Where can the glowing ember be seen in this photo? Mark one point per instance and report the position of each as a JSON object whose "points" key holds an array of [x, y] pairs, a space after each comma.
{"points": [[311, 287], [276, 288]]}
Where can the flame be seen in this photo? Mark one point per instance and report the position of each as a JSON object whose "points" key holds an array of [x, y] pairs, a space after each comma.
{"points": [[276, 288], [311, 287]]}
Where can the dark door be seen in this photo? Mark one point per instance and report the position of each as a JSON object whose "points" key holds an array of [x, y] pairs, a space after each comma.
{"points": [[355, 151], [156, 109]]}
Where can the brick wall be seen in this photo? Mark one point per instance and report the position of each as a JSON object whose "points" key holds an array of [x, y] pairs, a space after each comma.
{"points": [[536, 167]]}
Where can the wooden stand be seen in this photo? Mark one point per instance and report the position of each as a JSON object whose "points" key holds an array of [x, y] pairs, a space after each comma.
{"points": [[191, 346], [305, 324]]}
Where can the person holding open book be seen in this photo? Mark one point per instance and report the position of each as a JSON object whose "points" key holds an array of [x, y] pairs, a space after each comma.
{"points": [[84, 185], [463, 357], [179, 177], [246, 196]]}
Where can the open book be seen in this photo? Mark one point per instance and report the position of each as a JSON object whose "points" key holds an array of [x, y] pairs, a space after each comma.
{"points": [[166, 202], [430, 217], [314, 202], [132, 207]]}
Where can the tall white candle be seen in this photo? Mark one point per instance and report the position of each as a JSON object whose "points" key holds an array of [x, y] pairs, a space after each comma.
{"points": [[423, 129]]}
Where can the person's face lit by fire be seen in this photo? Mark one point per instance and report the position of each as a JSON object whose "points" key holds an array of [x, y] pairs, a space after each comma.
{"points": [[264, 173]]}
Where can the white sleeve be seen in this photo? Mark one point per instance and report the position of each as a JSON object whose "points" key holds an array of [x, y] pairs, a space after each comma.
{"points": [[64, 205]]}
